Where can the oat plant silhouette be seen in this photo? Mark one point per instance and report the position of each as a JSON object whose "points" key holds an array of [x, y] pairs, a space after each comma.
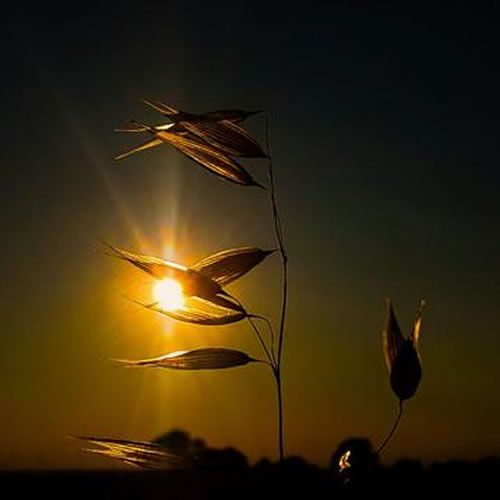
{"points": [[212, 140], [403, 362], [402, 359]]}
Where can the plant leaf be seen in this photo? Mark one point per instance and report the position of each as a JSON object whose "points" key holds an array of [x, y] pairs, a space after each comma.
{"points": [[401, 355], [226, 266], [406, 371], [193, 283], [205, 358], [225, 302], [131, 128], [166, 110], [392, 337], [154, 266], [138, 453], [227, 136], [232, 115], [196, 316], [208, 157], [151, 143], [417, 326], [221, 133]]}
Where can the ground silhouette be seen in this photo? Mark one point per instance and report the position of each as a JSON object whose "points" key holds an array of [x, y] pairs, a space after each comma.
{"points": [[227, 473]]}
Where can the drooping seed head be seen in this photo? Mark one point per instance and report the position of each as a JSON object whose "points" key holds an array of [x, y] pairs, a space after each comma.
{"points": [[401, 355]]}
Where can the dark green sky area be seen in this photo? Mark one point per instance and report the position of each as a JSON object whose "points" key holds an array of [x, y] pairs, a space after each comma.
{"points": [[385, 134]]}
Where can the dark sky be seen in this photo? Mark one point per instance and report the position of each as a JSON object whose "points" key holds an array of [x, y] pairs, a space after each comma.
{"points": [[384, 129]]}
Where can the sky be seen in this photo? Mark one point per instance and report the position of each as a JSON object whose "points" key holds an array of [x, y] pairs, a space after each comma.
{"points": [[384, 134]]}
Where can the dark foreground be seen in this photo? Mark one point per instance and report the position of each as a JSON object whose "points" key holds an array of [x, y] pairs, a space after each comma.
{"points": [[295, 478]]}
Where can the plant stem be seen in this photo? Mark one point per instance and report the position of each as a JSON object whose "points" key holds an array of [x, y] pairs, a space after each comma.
{"points": [[280, 416], [284, 289], [393, 430], [268, 354], [271, 332]]}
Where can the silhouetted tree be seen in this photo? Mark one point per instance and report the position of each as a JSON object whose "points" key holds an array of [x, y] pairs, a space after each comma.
{"points": [[177, 441], [226, 458], [408, 468], [180, 442]]}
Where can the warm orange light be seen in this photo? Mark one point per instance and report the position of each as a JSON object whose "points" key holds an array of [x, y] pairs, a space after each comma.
{"points": [[168, 294]]}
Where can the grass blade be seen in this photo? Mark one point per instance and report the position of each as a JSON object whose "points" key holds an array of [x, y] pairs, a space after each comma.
{"points": [[417, 326], [137, 453], [205, 358], [226, 266], [154, 266], [131, 128], [401, 355], [151, 143], [196, 316], [393, 339], [225, 302], [217, 128], [209, 157], [227, 136], [406, 372], [232, 115], [193, 282]]}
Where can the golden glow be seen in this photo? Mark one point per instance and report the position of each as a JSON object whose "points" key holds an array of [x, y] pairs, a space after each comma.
{"points": [[168, 294], [344, 461]]}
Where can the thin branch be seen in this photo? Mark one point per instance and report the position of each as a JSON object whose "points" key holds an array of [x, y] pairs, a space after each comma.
{"points": [[263, 344], [271, 331], [393, 430], [270, 357]]}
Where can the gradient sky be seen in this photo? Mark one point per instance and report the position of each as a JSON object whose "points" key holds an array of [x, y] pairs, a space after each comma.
{"points": [[384, 129]]}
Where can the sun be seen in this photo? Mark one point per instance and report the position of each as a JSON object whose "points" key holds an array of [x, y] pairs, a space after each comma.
{"points": [[168, 294]]}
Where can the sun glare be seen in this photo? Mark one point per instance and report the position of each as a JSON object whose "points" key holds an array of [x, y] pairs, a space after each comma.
{"points": [[168, 293]]}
